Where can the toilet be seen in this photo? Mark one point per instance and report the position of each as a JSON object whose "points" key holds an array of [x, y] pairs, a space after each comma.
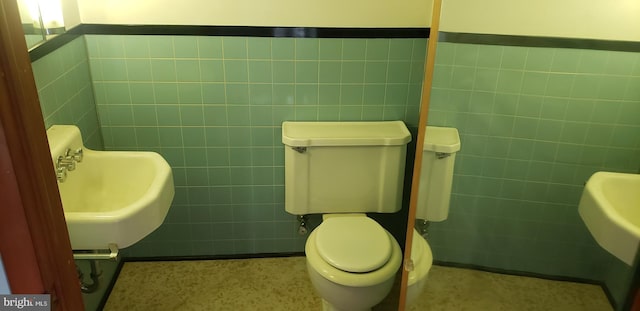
{"points": [[343, 170], [434, 194]]}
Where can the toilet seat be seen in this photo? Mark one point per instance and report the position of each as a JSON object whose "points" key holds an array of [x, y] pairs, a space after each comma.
{"points": [[363, 279], [353, 244]]}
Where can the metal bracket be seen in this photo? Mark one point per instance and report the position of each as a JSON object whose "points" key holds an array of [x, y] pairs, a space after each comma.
{"points": [[300, 149], [111, 254]]}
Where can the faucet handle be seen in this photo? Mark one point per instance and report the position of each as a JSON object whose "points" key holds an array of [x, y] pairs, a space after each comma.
{"points": [[77, 155], [66, 162], [61, 174]]}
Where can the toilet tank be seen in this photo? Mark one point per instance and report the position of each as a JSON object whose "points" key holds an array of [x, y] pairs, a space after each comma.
{"points": [[344, 167], [436, 175]]}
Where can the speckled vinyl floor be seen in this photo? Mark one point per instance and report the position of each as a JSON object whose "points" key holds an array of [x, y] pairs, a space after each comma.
{"points": [[283, 284]]}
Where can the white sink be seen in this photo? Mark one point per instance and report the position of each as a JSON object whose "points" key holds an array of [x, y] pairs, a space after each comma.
{"points": [[610, 207], [110, 197]]}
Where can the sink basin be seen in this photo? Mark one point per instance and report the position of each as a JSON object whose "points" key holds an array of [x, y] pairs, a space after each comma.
{"points": [[110, 196], [610, 207]]}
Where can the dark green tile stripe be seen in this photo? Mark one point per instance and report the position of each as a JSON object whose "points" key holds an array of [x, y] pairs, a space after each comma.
{"points": [[533, 41]]}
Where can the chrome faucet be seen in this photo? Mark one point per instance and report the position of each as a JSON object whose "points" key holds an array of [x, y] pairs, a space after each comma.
{"points": [[67, 162]]}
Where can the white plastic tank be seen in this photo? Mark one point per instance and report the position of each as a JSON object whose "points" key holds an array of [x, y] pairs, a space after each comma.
{"points": [[436, 175], [344, 167]]}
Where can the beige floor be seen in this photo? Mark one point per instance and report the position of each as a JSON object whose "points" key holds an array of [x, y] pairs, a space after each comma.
{"points": [[282, 284]]}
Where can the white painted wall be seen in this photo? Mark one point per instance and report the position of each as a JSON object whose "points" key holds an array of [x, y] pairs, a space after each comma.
{"points": [[301, 13], [71, 13], [595, 19]]}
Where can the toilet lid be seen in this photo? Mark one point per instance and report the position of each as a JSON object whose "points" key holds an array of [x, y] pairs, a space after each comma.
{"points": [[353, 244]]}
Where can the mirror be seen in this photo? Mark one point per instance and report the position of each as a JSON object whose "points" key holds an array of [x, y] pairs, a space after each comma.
{"points": [[41, 20]]}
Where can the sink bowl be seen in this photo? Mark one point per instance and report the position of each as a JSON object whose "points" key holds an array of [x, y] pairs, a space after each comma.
{"points": [[610, 207], [110, 197]]}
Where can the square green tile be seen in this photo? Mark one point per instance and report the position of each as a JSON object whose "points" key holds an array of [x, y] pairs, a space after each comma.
{"points": [[147, 137], [525, 127], [353, 72], [591, 61], [283, 48], [613, 87], [306, 94], [306, 113], [144, 115], [400, 49], [136, 46], [499, 125], [396, 94], [217, 137], [398, 72], [187, 70], [260, 94], [120, 115], [283, 71], [329, 94], [234, 47], [219, 176], [554, 108], [463, 78], [111, 46], [210, 47], [573, 132], [352, 95], [239, 136], [306, 71], [350, 113], [213, 93], [163, 70], [191, 115], [260, 71], [185, 46], [559, 85], [215, 115], [189, 93], [479, 102], [236, 71], [375, 72], [261, 116], [354, 49], [161, 46], [259, 48], [196, 177], [579, 110], [330, 71], [534, 83], [307, 48], [114, 93], [171, 137], [565, 60], [262, 157], [113, 69], [513, 57], [509, 81], [262, 136], [539, 59], [330, 49], [549, 130], [445, 53], [139, 69], [466, 55], [238, 115], [168, 115], [193, 136], [237, 94], [284, 94], [211, 70], [124, 137]]}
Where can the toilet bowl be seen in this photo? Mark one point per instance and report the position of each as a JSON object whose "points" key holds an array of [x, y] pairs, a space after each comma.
{"points": [[352, 261], [422, 259]]}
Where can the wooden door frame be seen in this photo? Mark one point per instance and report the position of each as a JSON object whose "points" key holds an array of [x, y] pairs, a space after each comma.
{"points": [[34, 241]]}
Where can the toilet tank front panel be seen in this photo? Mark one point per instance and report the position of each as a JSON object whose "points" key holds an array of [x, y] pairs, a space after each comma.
{"points": [[344, 179]]}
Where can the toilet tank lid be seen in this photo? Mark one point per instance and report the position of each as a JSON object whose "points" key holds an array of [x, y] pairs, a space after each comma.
{"points": [[378, 133], [441, 139]]}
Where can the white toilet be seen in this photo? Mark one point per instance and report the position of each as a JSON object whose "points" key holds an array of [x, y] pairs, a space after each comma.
{"points": [[434, 194], [343, 170]]}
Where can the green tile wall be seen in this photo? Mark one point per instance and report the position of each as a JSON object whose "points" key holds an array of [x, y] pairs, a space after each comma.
{"points": [[535, 123], [213, 107], [66, 95]]}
